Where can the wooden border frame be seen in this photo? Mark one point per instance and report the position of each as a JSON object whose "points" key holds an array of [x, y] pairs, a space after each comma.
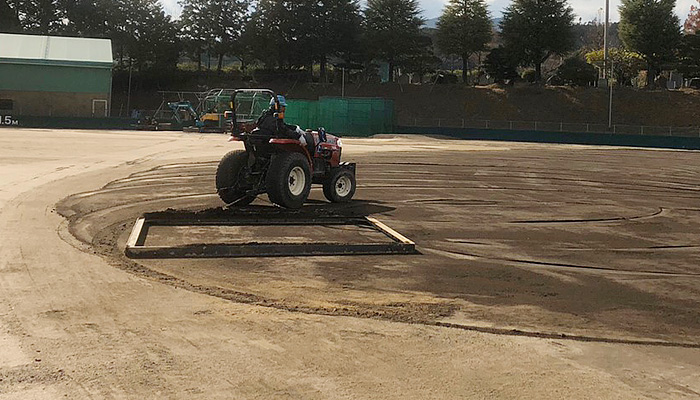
{"points": [[136, 248]]}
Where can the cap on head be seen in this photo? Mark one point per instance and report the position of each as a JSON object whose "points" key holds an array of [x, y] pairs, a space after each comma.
{"points": [[280, 99]]}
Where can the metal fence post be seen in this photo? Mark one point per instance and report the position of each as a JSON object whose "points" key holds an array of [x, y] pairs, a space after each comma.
{"points": [[511, 125], [487, 124], [535, 125], [588, 127], [561, 127], [642, 129]]}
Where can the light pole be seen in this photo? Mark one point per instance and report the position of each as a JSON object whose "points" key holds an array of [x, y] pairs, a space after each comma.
{"points": [[128, 95], [610, 104], [605, 39], [606, 61]]}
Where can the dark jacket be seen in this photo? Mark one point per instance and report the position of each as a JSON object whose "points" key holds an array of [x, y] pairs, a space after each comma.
{"points": [[273, 126]]}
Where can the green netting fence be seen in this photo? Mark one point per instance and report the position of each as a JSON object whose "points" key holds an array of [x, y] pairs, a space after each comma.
{"points": [[353, 116]]}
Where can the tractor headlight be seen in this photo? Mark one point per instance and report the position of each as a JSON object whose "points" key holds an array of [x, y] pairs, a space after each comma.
{"points": [[339, 143]]}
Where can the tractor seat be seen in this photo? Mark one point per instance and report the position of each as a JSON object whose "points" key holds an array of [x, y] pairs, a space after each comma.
{"points": [[310, 143]]}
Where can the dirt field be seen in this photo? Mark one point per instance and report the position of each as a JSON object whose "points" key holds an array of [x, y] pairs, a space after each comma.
{"points": [[546, 272]]}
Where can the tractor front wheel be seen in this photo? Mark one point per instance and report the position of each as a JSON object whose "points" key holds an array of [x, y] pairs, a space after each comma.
{"points": [[340, 186], [289, 180], [229, 177]]}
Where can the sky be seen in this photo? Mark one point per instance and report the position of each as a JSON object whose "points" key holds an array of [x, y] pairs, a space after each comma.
{"points": [[587, 10]]}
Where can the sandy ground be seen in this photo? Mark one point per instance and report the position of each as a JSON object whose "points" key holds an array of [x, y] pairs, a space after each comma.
{"points": [[545, 272]]}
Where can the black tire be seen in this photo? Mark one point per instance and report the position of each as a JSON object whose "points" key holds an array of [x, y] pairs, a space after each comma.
{"points": [[228, 175], [340, 186], [284, 180]]}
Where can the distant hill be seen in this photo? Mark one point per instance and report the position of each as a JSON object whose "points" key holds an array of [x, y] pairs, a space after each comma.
{"points": [[432, 23]]}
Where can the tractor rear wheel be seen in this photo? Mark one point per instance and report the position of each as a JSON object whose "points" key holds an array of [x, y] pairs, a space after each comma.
{"points": [[289, 180], [229, 175], [340, 186]]}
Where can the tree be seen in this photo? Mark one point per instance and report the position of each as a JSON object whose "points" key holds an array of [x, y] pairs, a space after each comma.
{"points": [[270, 35], [42, 16], [625, 64], [501, 65], [689, 55], [393, 30], [277, 35], [534, 30], [227, 20], [214, 26], [87, 18], [589, 36], [152, 36], [9, 17], [692, 23], [423, 60], [575, 71], [338, 25], [463, 29], [652, 29], [31, 16], [194, 29]]}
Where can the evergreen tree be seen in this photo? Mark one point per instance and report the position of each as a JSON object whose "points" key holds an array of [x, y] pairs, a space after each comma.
{"points": [[142, 34], [393, 30], [689, 55], [652, 29], [463, 29], [151, 36], [575, 71], [338, 25], [214, 26], [501, 65], [87, 18], [534, 30], [267, 35], [195, 29], [298, 33]]}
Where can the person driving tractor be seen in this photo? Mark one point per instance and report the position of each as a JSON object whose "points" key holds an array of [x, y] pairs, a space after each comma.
{"points": [[271, 122]]}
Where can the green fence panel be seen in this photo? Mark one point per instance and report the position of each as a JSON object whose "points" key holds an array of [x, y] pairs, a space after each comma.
{"points": [[344, 116], [301, 112]]}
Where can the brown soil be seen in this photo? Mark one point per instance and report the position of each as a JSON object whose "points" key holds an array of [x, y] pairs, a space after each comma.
{"points": [[516, 239], [597, 244]]}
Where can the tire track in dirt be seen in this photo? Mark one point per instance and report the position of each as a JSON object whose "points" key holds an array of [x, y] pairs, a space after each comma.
{"points": [[436, 197]]}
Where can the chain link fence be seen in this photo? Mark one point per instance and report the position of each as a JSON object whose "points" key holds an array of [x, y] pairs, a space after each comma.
{"points": [[569, 127]]}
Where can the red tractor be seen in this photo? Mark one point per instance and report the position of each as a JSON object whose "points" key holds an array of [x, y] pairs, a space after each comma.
{"points": [[283, 167]]}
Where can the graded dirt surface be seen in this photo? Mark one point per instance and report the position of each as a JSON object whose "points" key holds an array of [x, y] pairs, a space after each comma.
{"points": [[546, 272]]}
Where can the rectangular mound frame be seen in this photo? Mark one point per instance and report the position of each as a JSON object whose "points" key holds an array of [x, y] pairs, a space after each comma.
{"points": [[136, 248]]}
